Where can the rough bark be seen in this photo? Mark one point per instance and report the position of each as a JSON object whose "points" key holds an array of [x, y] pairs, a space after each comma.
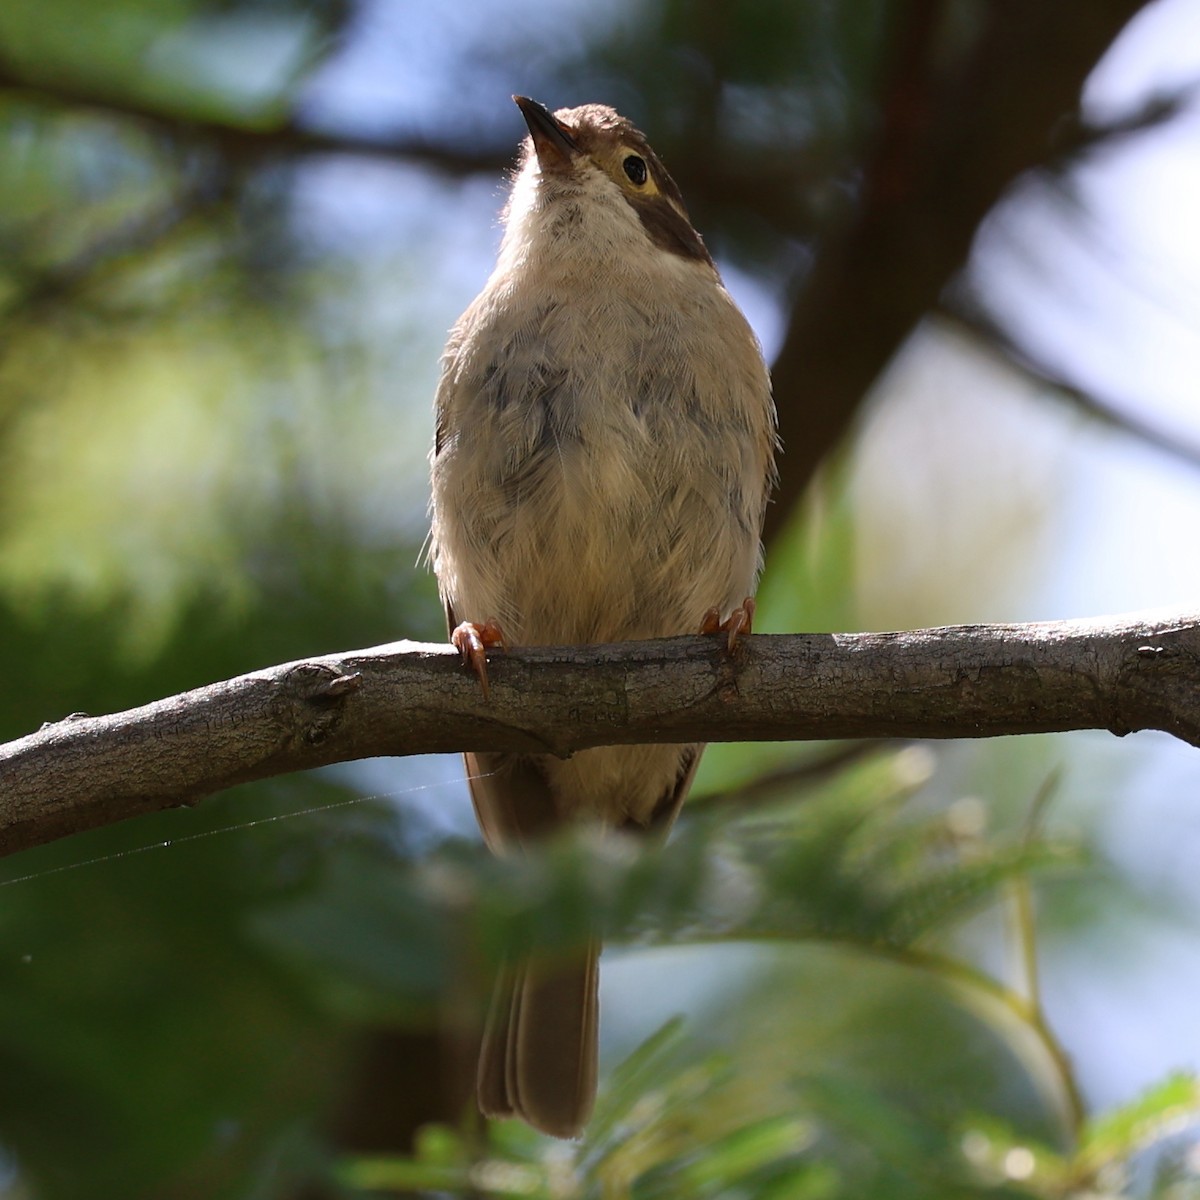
{"points": [[1119, 673]]}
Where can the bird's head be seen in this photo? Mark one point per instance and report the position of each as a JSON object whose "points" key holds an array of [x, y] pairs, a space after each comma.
{"points": [[592, 162]]}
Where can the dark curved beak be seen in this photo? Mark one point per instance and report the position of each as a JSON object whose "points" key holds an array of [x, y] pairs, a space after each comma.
{"points": [[551, 141]]}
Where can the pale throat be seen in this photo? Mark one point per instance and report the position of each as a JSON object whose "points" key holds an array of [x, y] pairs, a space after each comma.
{"points": [[559, 228]]}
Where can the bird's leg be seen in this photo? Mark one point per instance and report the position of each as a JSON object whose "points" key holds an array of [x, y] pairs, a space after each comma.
{"points": [[473, 642], [737, 623]]}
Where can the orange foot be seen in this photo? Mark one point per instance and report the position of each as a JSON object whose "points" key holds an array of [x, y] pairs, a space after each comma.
{"points": [[473, 642], [737, 623]]}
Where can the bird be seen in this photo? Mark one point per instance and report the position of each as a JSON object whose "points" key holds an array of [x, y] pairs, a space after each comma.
{"points": [[604, 451]]}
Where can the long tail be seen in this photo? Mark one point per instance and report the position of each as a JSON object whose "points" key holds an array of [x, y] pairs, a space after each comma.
{"points": [[538, 1057]]}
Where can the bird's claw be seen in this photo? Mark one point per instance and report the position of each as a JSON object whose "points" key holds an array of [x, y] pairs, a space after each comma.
{"points": [[473, 642], [738, 622]]}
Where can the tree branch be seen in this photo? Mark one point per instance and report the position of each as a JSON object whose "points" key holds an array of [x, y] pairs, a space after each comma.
{"points": [[1117, 673], [953, 136], [965, 314], [281, 138]]}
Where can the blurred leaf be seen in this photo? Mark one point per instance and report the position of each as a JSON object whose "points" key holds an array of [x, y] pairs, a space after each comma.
{"points": [[139, 1025], [216, 356], [1117, 1136], [185, 56]]}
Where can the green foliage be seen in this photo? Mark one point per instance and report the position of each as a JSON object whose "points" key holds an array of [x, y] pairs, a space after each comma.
{"points": [[143, 1032], [354, 923], [197, 57], [837, 1139], [213, 421]]}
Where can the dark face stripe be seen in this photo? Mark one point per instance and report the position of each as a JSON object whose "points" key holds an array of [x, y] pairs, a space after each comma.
{"points": [[602, 135], [668, 229]]}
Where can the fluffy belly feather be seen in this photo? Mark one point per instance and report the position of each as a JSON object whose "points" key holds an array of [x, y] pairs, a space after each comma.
{"points": [[589, 551]]}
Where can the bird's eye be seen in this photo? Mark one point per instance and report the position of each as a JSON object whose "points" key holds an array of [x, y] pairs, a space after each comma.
{"points": [[635, 168]]}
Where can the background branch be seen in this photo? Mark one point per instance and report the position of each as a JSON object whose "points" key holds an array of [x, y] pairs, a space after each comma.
{"points": [[246, 143], [1120, 674], [233, 236], [947, 149], [966, 316]]}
